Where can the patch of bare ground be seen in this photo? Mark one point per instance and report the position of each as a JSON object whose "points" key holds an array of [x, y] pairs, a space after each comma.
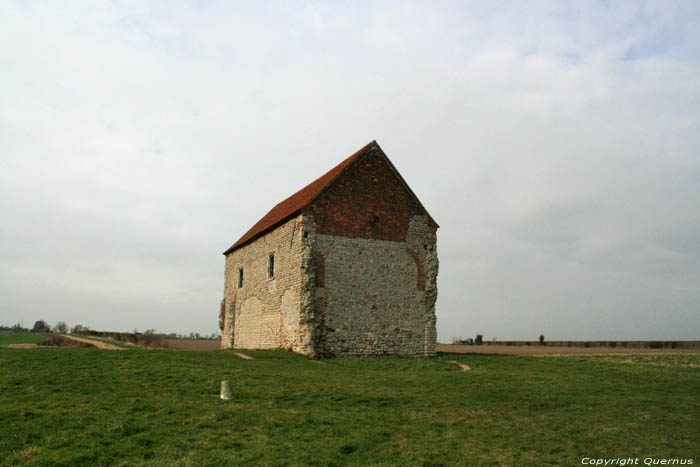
{"points": [[21, 346], [463, 366], [556, 351], [243, 356], [195, 345], [97, 344]]}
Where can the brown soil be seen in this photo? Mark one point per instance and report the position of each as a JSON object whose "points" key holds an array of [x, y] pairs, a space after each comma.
{"points": [[196, 345], [98, 344], [549, 350]]}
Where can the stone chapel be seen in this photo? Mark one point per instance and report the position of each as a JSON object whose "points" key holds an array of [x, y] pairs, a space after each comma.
{"points": [[345, 266]]}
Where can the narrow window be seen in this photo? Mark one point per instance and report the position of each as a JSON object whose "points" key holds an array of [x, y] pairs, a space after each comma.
{"points": [[271, 267], [240, 278]]}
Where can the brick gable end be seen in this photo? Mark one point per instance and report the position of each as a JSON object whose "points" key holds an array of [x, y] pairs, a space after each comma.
{"points": [[367, 201]]}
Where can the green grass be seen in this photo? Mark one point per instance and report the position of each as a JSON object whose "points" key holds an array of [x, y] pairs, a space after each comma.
{"points": [[90, 407], [7, 338]]}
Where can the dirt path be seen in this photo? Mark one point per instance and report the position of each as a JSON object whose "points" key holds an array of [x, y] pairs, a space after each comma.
{"points": [[463, 366], [98, 344]]}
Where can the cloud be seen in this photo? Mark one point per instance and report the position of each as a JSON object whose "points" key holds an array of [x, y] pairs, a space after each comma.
{"points": [[556, 144]]}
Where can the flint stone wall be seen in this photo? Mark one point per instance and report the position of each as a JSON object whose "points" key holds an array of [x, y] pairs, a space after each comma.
{"points": [[377, 297], [333, 295]]}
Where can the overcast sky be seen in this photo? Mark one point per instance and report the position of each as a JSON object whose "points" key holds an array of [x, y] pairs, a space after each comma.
{"points": [[557, 144]]}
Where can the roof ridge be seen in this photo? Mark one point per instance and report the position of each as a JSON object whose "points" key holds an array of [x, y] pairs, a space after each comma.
{"points": [[346, 160], [299, 200]]}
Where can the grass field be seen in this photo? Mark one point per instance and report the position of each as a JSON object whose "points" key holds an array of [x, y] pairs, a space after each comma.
{"points": [[7, 338], [89, 407]]}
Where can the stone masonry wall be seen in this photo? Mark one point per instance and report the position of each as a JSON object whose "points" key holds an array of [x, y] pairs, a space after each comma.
{"points": [[333, 295], [375, 265], [265, 313], [377, 297]]}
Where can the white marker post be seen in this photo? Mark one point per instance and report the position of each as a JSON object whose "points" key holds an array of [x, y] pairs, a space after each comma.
{"points": [[226, 393]]}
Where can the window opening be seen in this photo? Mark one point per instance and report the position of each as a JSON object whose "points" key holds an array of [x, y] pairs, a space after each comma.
{"points": [[271, 267]]}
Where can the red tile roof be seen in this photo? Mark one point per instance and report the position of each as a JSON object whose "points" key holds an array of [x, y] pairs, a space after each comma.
{"points": [[292, 205]]}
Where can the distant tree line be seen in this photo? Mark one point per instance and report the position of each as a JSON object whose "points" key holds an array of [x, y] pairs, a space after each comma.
{"points": [[173, 335], [43, 327], [479, 340], [631, 344], [16, 328]]}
